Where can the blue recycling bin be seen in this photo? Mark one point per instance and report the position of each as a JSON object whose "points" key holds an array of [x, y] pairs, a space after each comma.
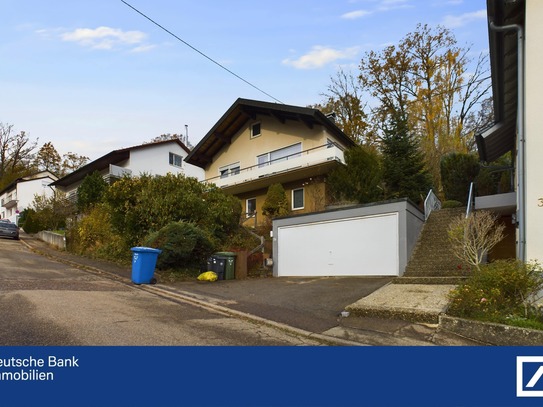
{"points": [[143, 264]]}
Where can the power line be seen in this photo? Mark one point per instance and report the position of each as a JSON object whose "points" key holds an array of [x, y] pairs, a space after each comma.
{"points": [[200, 52]]}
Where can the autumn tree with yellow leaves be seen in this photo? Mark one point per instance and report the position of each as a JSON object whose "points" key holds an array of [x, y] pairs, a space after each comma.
{"points": [[426, 79]]}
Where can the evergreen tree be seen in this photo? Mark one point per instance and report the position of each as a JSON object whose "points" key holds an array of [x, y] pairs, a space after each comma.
{"points": [[360, 180], [91, 190], [404, 172], [276, 203]]}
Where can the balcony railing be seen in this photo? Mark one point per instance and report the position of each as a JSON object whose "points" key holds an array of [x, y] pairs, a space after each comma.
{"points": [[115, 173], [306, 158], [495, 192], [10, 201]]}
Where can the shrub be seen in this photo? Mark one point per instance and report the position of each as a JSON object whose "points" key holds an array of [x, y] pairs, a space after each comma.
{"points": [[91, 191], [94, 236], [145, 204], [451, 204], [276, 203], [31, 224], [48, 213], [183, 244], [458, 170], [360, 180], [502, 291]]}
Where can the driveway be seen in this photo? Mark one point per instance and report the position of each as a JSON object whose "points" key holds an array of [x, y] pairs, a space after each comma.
{"points": [[313, 304]]}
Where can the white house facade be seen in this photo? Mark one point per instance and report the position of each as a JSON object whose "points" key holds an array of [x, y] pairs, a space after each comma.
{"points": [[515, 36], [19, 195], [159, 158]]}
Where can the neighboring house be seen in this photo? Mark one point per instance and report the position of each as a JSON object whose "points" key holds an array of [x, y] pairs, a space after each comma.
{"points": [[256, 144], [516, 35], [19, 195], [159, 158]]}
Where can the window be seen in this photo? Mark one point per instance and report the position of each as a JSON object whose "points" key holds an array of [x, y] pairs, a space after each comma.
{"points": [[176, 160], [255, 130], [298, 199], [229, 170], [250, 205], [286, 153]]}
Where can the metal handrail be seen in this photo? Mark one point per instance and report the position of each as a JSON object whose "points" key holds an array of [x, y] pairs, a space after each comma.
{"points": [[431, 203], [471, 200]]}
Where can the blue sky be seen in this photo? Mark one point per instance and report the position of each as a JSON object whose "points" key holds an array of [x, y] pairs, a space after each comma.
{"points": [[94, 76]]}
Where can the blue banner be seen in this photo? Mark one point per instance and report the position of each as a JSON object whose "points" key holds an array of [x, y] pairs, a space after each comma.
{"points": [[271, 376]]}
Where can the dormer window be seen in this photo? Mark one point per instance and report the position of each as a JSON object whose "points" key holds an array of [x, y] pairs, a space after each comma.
{"points": [[255, 130]]}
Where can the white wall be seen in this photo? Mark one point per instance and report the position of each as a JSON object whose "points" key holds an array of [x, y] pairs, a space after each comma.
{"points": [[534, 131], [26, 191], [154, 160]]}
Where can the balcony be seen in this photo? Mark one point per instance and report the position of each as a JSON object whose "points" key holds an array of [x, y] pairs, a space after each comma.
{"points": [[10, 202], [304, 162], [115, 172], [498, 194]]}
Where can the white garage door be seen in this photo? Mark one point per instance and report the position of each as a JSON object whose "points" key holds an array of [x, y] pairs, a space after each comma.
{"points": [[363, 246]]}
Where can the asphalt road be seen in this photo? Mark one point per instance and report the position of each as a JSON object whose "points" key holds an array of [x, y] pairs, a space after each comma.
{"points": [[47, 303]]}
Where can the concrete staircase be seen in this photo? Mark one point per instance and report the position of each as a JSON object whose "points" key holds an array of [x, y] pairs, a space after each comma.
{"points": [[432, 261]]}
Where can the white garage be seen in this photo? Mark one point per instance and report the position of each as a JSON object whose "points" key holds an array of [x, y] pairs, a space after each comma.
{"points": [[368, 240]]}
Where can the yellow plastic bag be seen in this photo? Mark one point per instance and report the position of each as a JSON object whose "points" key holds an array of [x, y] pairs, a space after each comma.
{"points": [[208, 276]]}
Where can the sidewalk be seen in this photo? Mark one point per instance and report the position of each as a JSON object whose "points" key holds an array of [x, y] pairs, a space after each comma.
{"points": [[340, 311]]}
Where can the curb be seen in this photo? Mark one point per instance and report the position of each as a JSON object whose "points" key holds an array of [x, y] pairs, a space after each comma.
{"points": [[406, 314]]}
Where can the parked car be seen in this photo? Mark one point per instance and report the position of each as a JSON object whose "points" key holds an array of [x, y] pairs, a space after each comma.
{"points": [[9, 230]]}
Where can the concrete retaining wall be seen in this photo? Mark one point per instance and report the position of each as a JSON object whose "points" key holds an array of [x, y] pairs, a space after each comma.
{"points": [[489, 333], [53, 239]]}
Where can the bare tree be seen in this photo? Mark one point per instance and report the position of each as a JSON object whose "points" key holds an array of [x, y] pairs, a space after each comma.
{"points": [[344, 99], [16, 153], [472, 237]]}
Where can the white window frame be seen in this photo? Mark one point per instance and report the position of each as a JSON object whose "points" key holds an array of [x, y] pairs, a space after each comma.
{"points": [[228, 170], [250, 214], [172, 159], [303, 199], [253, 135]]}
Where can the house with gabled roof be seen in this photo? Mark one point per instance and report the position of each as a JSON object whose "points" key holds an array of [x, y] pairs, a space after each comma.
{"points": [[156, 158], [19, 194], [256, 144], [515, 37]]}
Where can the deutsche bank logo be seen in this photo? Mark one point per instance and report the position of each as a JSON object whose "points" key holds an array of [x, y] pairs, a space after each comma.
{"points": [[529, 376]]}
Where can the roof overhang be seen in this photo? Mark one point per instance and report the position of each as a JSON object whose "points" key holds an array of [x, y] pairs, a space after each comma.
{"points": [[244, 110], [100, 164], [500, 138], [114, 157]]}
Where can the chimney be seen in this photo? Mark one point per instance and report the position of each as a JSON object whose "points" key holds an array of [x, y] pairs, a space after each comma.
{"points": [[331, 116]]}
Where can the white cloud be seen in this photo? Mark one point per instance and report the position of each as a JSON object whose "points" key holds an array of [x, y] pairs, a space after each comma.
{"points": [[107, 38], [320, 56], [142, 48], [392, 4], [352, 15], [379, 6], [463, 19]]}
